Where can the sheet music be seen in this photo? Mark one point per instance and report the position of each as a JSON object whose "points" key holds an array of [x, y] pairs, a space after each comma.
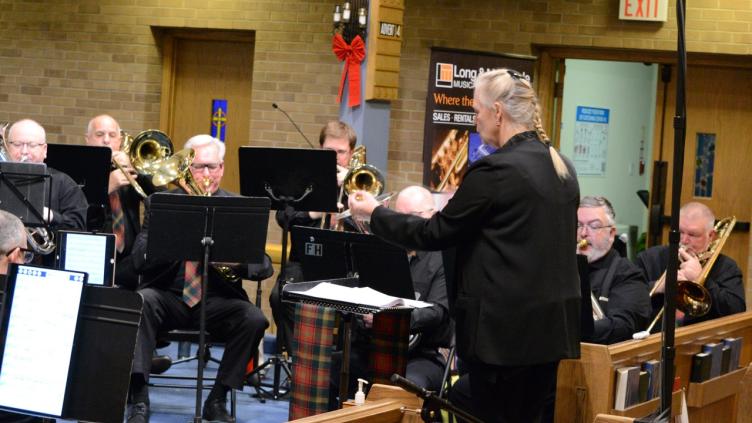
{"points": [[87, 253], [362, 296], [38, 347]]}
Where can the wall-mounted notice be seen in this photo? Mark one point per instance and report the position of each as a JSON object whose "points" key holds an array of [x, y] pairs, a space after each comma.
{"points": [[591, 141], [704, 165]]}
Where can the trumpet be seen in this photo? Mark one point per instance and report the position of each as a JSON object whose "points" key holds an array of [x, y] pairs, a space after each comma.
{"points": [[598, 313], [692, 297]]}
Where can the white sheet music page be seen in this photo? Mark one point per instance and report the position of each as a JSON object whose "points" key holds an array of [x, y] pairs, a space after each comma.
{"points": [[361, 296], [38, 348]]}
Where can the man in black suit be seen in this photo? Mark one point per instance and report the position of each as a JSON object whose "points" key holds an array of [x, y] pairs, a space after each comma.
{"points": [[27, 142], [171, 295], [617, 284], [724, 281], [121, 215]]}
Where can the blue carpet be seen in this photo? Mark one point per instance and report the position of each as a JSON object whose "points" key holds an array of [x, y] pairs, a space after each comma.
{"points": [[177, 405]]}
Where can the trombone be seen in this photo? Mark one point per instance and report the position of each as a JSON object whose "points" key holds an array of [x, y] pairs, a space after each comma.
{"points": [[360, 177], [598, 313], [692, 297]]}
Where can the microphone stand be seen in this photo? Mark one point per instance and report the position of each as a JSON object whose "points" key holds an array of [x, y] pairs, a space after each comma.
{"points": [[668, 351], [293, 124], [431, 402]]}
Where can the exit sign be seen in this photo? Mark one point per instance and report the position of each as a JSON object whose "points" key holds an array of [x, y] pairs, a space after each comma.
{"points": [[643, 10]]}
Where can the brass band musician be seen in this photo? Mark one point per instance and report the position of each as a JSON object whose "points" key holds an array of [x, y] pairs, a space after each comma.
{"points": [[724, 282], [121, 214], [170, 301], [616, 284], [27, 142]]}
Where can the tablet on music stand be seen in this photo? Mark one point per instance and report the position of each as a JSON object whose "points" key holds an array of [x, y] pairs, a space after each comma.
{"points": [[88, 165], [38, 338], [93, 253]]}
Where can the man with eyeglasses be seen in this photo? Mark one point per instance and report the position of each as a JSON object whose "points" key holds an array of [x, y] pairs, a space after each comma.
{"points": [[171, 301], [617, 284], [67, 209], [724, 282]]}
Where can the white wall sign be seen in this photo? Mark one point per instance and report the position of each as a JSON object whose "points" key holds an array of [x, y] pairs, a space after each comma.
{"points": [[591, 141], [643, 10]]}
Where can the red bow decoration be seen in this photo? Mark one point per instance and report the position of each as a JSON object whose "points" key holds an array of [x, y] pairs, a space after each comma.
{"points": [[353, 55]]}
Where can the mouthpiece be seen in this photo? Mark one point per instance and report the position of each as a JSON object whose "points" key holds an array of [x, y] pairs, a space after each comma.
{"points": [[582, 244]]}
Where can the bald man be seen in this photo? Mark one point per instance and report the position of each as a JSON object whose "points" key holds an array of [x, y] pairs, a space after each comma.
{"points": [[27, 142], [724, 282], [121, 215], [425, 365]]}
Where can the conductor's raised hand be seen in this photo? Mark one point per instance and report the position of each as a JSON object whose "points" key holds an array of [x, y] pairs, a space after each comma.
{"points": [[361, 204]]}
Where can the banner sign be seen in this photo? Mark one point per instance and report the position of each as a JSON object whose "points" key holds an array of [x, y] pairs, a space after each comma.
{"points": [[450, 141], [219, 119]]}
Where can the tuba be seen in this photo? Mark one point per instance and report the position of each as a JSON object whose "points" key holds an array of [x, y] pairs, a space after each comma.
{"points": [[692, 297], [144, 151]]}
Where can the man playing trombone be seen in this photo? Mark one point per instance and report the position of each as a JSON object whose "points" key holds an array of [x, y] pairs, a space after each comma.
{"points": [[121, 214], [619, 292], [724, 280]]}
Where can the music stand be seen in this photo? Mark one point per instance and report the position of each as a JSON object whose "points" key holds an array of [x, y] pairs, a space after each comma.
{"points": [[24, 187], [206, 229], [294, 179], [88, 165]]}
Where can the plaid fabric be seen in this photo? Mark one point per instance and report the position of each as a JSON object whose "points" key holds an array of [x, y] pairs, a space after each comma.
{"points": [[118, 222], [192, 287], [389, 339], [312, 352]]}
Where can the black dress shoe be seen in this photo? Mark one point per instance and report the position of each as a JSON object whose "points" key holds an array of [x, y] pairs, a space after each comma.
{"points": [[139, 413], [160, 364], [216, 411]]}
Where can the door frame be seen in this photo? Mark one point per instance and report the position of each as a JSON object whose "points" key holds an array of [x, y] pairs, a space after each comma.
{"points": [[166, 39]]}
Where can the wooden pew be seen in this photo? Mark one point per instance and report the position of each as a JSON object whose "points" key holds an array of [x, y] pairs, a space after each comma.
{"points": [[384, 404], [586, 386]]}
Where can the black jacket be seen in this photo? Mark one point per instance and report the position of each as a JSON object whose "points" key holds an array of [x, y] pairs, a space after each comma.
{"points": [[627, 307], [169, 275], [513, 222]]}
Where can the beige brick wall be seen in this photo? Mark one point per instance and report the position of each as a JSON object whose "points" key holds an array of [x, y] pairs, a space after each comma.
{"points": [[64, 61]]}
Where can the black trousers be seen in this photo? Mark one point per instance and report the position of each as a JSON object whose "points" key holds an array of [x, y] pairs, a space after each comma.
{"points": [[236, 322], [507, 394]]}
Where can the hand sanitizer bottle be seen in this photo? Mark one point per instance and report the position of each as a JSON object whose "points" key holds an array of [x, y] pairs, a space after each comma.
{"points": [[360, 396]]}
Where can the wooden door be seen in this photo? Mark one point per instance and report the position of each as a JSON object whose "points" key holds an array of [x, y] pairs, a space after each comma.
{"points": [[199, 67], [719, 102]]}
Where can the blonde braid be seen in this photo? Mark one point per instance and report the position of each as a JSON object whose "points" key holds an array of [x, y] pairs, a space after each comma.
{"points": [[559, 166]]}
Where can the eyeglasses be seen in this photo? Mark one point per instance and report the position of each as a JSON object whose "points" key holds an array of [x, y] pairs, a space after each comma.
{"points": [[20, 144], [202, 166], [592, 226], [28, 255]]}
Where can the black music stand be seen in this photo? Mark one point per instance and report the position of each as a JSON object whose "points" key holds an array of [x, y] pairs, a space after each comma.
{"points": [[206, 229], [90, 167], [294, 179], [24, 188]]}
